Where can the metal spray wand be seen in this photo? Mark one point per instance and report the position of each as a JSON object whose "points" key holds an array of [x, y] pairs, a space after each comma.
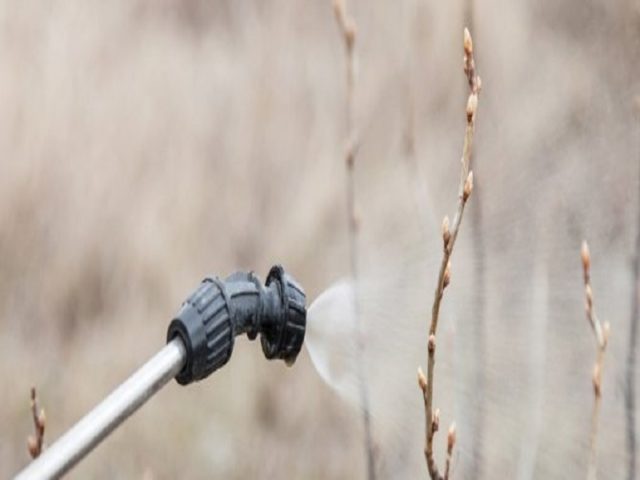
{"points": [[199, 341]]}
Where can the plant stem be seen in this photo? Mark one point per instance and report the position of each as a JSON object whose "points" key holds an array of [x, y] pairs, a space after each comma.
{"points": [[630, 395], [449, 237], [601, 334], [478, 326], [348, 29]]}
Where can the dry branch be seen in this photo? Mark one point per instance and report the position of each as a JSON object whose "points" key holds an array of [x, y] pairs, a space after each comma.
{"points": [[449, 236], [632, 351], [601, 334], [35, 442], [451, 442], [477, 329], [348, 30], [634, 330]]}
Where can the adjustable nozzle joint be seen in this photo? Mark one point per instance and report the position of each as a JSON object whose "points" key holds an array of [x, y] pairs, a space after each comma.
{"points": [[219, 310]]}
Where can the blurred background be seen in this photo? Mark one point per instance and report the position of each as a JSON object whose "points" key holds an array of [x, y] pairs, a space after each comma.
{"points": [[145, 144]]}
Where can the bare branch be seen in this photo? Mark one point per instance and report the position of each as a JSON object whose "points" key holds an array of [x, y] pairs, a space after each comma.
{"points": [[601, 334], [632, 349], [451, 441], [35, 442], [348, 29], [449, 236]]}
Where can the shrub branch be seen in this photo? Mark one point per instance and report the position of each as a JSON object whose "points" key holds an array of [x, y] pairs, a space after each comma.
{"points": [[601, 334], [630, 393], [35, 443], [348, 30], [449, 236]]}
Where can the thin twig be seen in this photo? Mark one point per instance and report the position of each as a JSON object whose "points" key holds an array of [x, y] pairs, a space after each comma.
{"points": [[451, 441], [449, 236], [35, 443], [601, 334], [630, 394], [348, 29], [478, 332], [630, 397]]}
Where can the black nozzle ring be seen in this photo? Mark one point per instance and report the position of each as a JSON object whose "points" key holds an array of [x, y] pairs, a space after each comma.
{"points": [[219, 310]]}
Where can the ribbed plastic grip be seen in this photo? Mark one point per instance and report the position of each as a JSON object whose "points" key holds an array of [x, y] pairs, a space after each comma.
{"points": [[204, 325]]}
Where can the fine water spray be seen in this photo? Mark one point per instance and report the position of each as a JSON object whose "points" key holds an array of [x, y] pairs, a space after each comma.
{"points": [[199, 341]]}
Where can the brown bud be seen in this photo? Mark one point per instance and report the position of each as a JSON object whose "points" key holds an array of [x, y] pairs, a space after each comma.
{"points": [[42, 420], [451, 438], [468, 187], [446, 234], [586, 257], [597, 379], [349, 33], [588, 293], [447, 275], [422, 380], [467, 43], [32, 446], [431, 345], [435, 422], [350, 157], [472, 106], [345, 23]]}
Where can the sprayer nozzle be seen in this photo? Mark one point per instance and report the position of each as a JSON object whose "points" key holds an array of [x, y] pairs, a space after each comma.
{"points": [[219, 310]]}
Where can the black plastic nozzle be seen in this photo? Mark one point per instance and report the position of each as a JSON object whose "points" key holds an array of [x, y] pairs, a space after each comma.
{"points": [[219, 310]]}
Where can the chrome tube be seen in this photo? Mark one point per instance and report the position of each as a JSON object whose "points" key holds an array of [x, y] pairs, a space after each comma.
{"points": [[85, 435]]}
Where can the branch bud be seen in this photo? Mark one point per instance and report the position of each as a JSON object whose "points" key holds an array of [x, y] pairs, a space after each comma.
{"points": [[345, 23], [468, 187], [447, 275], [597, 380], [41, 421], [422, 380], [349, 33], [32, 446], [586, 257], [431, 345], [446, 234], [588, 293], [472, 106], [435, 422], [451, 438], [467, 43]]}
